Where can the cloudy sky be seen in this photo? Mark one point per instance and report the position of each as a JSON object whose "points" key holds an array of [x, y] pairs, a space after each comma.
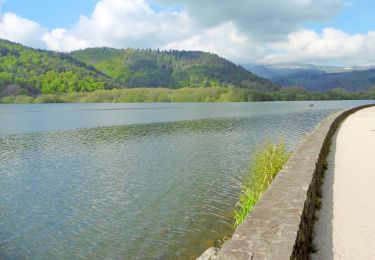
{"points": [[331, 32]]}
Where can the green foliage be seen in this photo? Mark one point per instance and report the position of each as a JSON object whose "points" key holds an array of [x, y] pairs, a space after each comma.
{"points": [[212, 94], [48, 98], [171, 69], [267, 162], [217, 94], [28, 71], [21, 99]]}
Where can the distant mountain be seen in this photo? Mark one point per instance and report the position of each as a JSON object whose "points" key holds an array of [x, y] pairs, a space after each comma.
{"points": [[28, 71], [318, 78], [172, 69], [275, 71], [354, 81]]}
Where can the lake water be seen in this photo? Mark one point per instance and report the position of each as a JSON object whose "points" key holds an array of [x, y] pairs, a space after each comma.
{"points": [[132, 181]]}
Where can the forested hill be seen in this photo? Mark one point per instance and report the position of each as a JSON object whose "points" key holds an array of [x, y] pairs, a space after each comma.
{"points": [[28, 71], [172, 69]]}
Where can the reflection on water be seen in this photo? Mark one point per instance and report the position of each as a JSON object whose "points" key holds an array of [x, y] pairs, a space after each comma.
{"points": [[161, 190]]}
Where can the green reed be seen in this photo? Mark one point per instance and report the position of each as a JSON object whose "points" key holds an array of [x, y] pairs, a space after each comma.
{"points": [[267, 162]]}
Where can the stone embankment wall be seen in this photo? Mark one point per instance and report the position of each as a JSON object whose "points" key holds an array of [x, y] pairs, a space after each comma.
{"points": [[280, 226]]}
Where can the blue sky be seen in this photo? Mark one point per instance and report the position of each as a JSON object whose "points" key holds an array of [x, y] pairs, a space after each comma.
{"points": [[50, 14], [354, 17], [245, 31], [66, 13]]}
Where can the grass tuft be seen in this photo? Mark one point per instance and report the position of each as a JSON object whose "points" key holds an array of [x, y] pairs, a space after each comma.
{"points": [[267, 162]]}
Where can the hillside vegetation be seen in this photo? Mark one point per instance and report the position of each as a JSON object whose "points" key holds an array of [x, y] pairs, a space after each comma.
{"points": [[28, 71], [171, 69], [129, 75]]}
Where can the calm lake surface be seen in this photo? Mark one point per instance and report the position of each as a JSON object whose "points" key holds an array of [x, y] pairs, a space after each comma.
{"points": [[132, 181]]}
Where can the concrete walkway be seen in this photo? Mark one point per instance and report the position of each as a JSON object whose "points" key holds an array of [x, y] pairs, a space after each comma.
{"points": [[346, 223]]}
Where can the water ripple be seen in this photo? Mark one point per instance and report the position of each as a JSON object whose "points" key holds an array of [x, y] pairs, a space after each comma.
{"points": [[148, 191]]}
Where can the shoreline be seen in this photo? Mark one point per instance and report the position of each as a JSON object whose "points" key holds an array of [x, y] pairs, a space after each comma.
{"points": [[165, 95], [281, 224]]}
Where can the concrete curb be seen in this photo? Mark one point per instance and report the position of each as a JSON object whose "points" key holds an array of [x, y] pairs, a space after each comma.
{"points": [[280, 225]]}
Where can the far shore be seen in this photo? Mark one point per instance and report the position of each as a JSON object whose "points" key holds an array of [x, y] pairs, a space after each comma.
{"points": [[203, 94]]}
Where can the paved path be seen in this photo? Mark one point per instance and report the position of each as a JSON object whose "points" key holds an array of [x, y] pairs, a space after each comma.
{"points": [[346, 223]]}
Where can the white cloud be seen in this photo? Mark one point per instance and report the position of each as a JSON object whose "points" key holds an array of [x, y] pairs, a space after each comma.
{"points": [[240, 30], [122, 23], [225, 40], [62, 40], [331, 46], [261, 20], [234, 30], [18, 29]]}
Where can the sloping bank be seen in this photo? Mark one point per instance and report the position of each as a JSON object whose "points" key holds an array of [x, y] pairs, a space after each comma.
{"points": [[280, 225]]}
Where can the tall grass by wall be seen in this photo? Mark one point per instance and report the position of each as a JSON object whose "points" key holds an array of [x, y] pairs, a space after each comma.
{"points": [[267, 162]]}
